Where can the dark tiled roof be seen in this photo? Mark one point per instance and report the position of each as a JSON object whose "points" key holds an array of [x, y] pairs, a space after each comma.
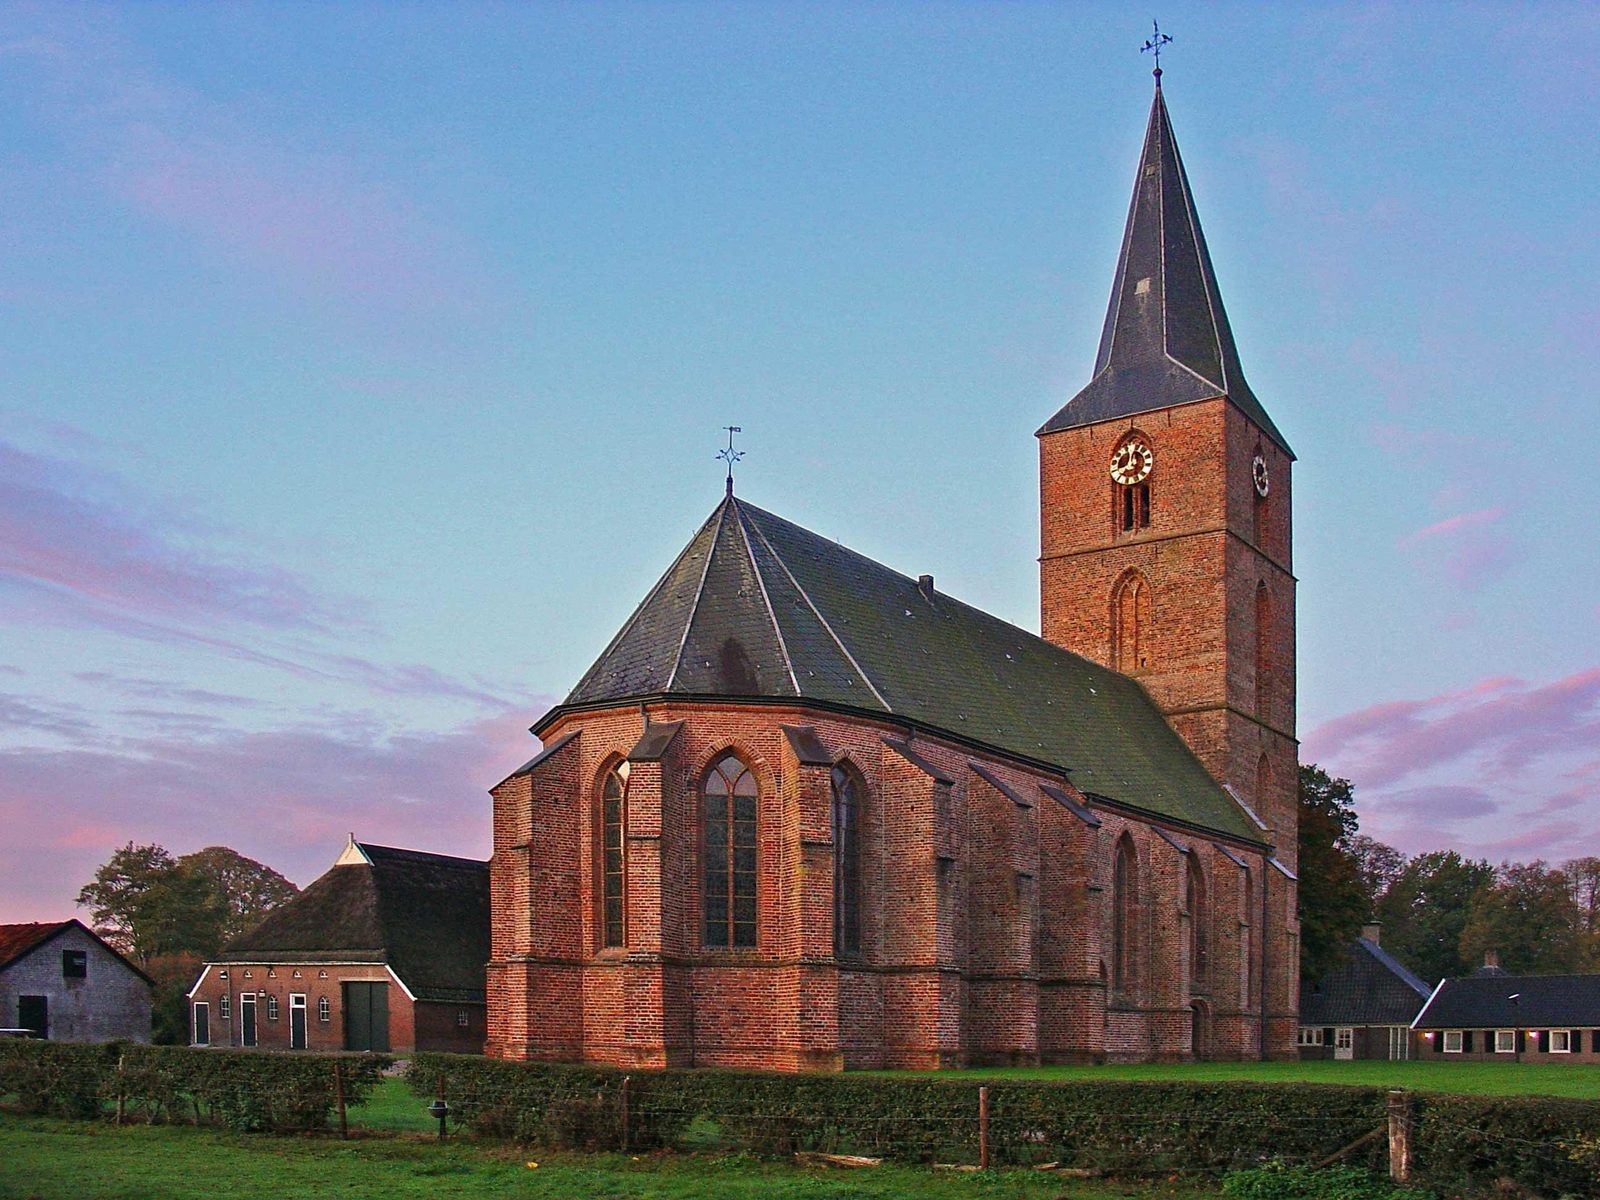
{"points": [[758, 607], [1370, 987], [1166, 339], [1484, 1002], [425, 915]]}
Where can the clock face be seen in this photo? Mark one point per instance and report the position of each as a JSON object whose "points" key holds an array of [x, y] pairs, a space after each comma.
{"points": [[1131, 463], [1258, 472]]}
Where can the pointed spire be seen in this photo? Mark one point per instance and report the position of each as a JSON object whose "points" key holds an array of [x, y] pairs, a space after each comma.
{"points": [[1166, 339]]}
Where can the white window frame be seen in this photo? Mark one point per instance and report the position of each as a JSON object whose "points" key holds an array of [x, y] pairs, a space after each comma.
{"points": [[463, 1018], [1455, 1035], [324, 1009], [272, 1006], [194, 1025], [1505, 1041], [222, 1006], [1311, 1035], [1566, 1041]]}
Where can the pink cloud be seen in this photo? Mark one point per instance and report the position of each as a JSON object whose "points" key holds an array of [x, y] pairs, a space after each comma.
{"points": [[286, 797], [1469, 549], [1455, 524]]}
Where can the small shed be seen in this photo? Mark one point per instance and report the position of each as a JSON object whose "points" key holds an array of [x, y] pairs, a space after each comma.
{"points": [[1362, 1008], [384, 952], [61, 980]]}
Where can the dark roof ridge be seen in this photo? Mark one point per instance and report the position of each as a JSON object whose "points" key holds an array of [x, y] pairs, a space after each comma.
{"points": [[443, 860], [1409, 977]]}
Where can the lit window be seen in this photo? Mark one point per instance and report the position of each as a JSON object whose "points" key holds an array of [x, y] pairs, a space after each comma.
{"points": [[1561, 1041], [222, 1005], [74, 964], [728, 841], [324, 1009], [1505, 1041], [272, 1008], [1452, 1041]]}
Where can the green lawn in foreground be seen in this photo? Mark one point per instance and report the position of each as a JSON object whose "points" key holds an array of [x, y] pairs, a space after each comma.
{"points": [[66, 1160], [1580, 1080]]}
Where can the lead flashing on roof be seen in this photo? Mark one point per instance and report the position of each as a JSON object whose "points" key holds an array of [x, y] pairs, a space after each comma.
{"points": [[1071, 805], [1230, 856], [538, 759], [999, 785], [1169, 839], [653, 744], [905, 751], [1284, 871], [807, 746]]}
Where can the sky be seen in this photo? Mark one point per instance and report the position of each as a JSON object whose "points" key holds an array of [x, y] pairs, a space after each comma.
{"points": [[361, 367]]}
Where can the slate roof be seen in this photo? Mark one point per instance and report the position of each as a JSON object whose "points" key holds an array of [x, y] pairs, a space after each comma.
{"points": [[1543, 1001], [17, 941], [1166, 339], [425, 915], [1369, 987], [755, 606]]}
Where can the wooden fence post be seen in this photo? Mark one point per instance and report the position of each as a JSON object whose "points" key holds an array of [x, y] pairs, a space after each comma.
{"points": [[983, 1129], [626, 1080], [338, 1098], [121, 1093], [1399, 1136]]}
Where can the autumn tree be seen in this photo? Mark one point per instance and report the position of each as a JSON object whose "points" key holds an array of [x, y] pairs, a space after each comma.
{"points": [[248, 890], [1378, 864], [1333, 899], [1529, 917], [1426, 908]]}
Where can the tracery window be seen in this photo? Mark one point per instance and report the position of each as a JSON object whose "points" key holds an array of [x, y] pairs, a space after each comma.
{"points": [[1199, 926], [1130, 624], [846, 861], [1124, 917], [728, 850], [613, 874], [1263, 648]]}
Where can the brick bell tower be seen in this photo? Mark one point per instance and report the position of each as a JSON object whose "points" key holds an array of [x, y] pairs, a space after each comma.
{"points": [[1165, 509]]}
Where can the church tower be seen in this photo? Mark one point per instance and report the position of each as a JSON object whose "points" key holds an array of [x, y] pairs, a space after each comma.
{"points": [[1165, 519]]}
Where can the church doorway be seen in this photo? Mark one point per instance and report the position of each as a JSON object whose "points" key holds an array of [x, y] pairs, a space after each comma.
{"points": [[1199, 1030]]}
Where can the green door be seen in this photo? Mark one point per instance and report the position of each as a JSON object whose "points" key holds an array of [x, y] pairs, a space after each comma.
{"points": [[366, 1016]]}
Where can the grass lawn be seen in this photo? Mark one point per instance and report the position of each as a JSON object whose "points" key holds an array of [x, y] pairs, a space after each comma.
{"points": [[1462, 1078], [65, 1160]]}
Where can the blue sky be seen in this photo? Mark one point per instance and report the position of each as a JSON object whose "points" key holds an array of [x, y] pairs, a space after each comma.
{"points": [[361, 366]]}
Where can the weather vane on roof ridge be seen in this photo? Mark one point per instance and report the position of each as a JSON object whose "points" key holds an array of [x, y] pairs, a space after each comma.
{"points": [[730, 455], [1153, 46]]}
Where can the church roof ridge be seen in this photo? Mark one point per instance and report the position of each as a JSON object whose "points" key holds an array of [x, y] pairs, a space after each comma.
{"points": [[1166, 339], [758, 607]]}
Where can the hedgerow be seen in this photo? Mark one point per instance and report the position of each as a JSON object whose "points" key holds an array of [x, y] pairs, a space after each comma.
{"points": [[239, 1089]]}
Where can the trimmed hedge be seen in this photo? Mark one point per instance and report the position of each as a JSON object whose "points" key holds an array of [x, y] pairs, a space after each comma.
{"points": [[1461, 1144], [240, 1089]]}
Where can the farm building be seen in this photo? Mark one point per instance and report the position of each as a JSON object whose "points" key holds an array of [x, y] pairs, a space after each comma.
{"points": [[61, 980]]}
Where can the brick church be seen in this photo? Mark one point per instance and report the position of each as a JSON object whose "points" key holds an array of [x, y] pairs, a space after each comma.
{"points": [[807, 813]]}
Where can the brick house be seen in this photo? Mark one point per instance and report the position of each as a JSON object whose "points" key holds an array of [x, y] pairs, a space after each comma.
{"points": [[384, 952], [806, 812], [62, 981], [1363, 1007], [1495, 1017]]}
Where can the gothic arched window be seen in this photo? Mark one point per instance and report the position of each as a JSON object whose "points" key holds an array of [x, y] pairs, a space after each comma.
{"points": [[613, 872], [1130, 624], [1199, 926], [728, 852], [1124, 917], [846, 861], [1263, 648]]}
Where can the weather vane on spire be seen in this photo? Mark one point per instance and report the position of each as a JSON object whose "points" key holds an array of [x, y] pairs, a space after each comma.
{"points": [[1153, 47], [730, 455]]}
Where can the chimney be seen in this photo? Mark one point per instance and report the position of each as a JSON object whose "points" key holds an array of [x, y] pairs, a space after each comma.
{"points": [[1491, 959], [925, 586], [1372, 932]]}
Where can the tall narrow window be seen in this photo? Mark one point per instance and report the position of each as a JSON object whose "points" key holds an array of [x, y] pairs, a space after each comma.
{"points": [[728, 838], [1263, 783], [1263, 648], [1246, 948], [1199, 927], [1130, 624], [846, 862], [1124, 892], [613, 874]]}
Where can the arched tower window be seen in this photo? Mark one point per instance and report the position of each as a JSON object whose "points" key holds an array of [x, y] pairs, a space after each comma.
{"points": [[846, 861], [1124, 917], [613, 869], [1131, 464], [1199, 926], [1130, 624], [1263, 648], [1263, 783], [728, 849]]}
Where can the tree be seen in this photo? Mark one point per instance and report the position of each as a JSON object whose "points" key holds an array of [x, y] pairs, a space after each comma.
{"points": [[1529, 917], [248, 889], [1333, 899], [1583, 877], [1378, 864], [1426, 908], [149, 904]]}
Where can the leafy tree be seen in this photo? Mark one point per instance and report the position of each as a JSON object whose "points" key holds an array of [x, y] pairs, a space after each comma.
{"points": [[1426, 907], [173, 975], [1583, 878], [1378, 864], [248, 889], [1333, 899], [1529, 916]]}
